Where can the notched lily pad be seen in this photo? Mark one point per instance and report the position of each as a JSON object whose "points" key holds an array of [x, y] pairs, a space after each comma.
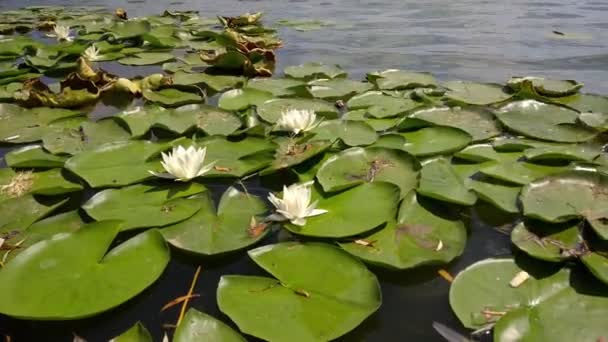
{"points": [[478, 122], [547, 87], [352, 133], [472, 93], [439, 180], [312, 71], [394, 79]]}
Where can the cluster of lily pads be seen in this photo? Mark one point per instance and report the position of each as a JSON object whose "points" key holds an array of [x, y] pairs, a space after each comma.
{"points": [[363, 165]]}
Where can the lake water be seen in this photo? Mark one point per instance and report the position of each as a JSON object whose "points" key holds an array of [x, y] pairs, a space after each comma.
{"points": [[471, 40]]}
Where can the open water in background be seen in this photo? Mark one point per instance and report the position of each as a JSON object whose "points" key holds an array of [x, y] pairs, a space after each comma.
{"points": [[469, 40]]}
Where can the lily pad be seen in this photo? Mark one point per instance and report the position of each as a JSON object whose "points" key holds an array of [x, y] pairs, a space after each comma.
{"points": [[380, 105], [147, 58], [394, 79], [33, 156], [547, 87], [358, 165], [570, 152], [141, 206], [549, 242], [567, 196], [21, 125], [312, 71], [598, 121], [196, 325], [292, 152], [519, 172], [545, 307], [216, 83], [327, 309], [502, 196], [271, 110], [276, 86], [79, 265], [52, 182], [129, 29], [18, 213], [232, 227], [171, 97], [352, 133], [379, 125], [435, 140], [137, 333], [336, 89], [479, 123], [439, 180], [86, 136], [239, 99], [116, 164], [472, 93], [544, 121], [419, 238], [352, 212]]}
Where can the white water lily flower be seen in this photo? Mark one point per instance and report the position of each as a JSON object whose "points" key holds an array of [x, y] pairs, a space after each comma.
{"points": [[91, 53], [295, 205], [62, 33], [297, 120], [184, 164]]}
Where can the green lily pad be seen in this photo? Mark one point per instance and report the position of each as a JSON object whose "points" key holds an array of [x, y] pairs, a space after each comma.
{"points": [[352, 212], [278, 87], [544, 121], [503, 197], [585, 103], [137, 333], [197, 324], [292, 152], [439, 180], [549, 242], [312, 71], [129, 29], [352, 133], [147, 58], [544, 308], [116, 164], [570, 152], [141, 206], [486, 152], [475, 93], [271, 110], [479, 123], [418, 238], [336, 89], [358, 165], [598, 121], [230, 228], [216, 83], [567, 196], [52, 182], [33, 156], [326, 310], [240, 99], [211, 120], [379, 125], [547, 87], [435, 140], [380, 105], [87, 136], [77, 263], [394, 79], [18, 213], [21, 125], [521, 173], [171, 97]]}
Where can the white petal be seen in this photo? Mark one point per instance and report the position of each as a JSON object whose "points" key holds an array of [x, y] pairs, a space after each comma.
{"points": [[162, 174], [316, 212], [299, 221]]}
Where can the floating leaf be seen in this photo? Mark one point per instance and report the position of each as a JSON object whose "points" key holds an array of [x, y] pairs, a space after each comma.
{"points": [[418, 238], [336, 89], [521, 173], [18, 213], [292, 152], [137, 333], [503, 197], [357, 165], [21, 125], [216, 83], [545, 307], [276, 86], [435, 140], [570, 195], [87, 136], [347, 295], [439, 180], [197, 324], [379, 125], [116, 164], [140, 206], [544, 121], [547, 87], [312, 71], [79, 265], [380, 105], [352, 212], [239, 99], [571, 152], [475, 93], [16, 184], [232, 227], [547, 242], [171, 97], [394, 79], [479, 123], [147, 58], [33, 156], [352, 133], [271, 110]]}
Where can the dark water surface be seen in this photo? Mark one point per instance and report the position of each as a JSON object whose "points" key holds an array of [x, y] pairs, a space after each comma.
{"points": [[469, 40]]}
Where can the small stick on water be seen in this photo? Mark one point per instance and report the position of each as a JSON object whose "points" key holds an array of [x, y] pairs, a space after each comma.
{"points": [[190, 291], [446, 275], [179, 300]]}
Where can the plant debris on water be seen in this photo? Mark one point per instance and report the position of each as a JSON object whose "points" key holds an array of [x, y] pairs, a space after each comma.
{"points": [[122, 124]]}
